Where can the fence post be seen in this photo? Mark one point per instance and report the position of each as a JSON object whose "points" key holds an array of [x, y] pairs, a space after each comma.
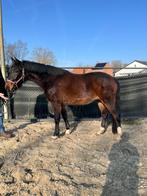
{"points": [[3, 67]]}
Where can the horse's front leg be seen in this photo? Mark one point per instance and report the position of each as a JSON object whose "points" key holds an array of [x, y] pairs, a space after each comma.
{"points": [[57, 111], [64, 115]]}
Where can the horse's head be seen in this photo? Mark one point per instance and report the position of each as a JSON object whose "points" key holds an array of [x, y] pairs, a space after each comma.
{"points": [[15, 76]]}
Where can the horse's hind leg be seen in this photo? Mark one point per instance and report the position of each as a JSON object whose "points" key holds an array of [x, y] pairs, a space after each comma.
{"points": [[116, 120], [105, 117], [64, 115], [116, 127], [111, 102]]}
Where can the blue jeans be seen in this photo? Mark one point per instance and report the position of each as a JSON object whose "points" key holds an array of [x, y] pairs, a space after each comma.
{"points": [[2, 128]]}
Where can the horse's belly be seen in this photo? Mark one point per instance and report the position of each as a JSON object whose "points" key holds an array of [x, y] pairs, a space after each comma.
{"points": [[80, 101]]}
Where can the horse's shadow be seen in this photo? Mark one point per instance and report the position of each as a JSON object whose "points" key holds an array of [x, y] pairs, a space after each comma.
{"points": [[81, 112], [41, 110], [121, 176], [73, 127], [88, 111], [22, 126]]}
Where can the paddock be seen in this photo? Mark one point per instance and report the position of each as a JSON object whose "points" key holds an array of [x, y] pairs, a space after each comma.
{"points": [[79, 164], [82, 163]]}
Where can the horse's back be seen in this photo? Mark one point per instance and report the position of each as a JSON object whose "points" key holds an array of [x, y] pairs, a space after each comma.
{"points": [[90, 81]]}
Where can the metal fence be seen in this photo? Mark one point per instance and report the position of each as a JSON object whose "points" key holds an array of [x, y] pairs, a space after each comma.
{"points": [[133, 95], [29, 101]]}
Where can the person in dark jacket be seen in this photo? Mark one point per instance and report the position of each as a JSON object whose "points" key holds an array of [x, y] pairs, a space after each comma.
{"points": [[3, 99]]}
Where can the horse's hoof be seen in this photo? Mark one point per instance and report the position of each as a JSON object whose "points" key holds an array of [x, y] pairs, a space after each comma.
{"points": [[119, 131], [118, 138], [68, 131], [101, 131], [55, 137]]}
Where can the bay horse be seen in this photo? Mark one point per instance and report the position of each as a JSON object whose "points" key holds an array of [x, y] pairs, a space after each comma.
{"points": [[62, 87]]}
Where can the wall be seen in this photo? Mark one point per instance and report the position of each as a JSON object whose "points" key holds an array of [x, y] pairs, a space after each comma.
{"points": [[107, 69], [134, 95]]}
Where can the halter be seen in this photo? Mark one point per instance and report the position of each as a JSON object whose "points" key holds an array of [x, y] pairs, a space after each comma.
{"points": [[16, 82]]}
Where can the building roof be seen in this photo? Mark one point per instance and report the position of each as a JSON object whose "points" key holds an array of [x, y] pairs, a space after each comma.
{"points": [[142, 62], [138, 61], [134, 67], [100, 65]]}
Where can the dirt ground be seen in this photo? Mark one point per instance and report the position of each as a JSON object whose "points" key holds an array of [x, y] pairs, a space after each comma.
{"points": [[79, 164]]}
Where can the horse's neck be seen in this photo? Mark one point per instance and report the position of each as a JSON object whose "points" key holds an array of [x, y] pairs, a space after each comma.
{"points": [[34, 77], [40, 79]]}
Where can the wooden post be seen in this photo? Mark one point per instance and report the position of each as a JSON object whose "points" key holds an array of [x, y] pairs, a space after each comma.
{"points": [[2, 55]]}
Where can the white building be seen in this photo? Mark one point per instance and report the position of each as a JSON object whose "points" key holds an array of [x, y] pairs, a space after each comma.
{"points": [[136, 67]]}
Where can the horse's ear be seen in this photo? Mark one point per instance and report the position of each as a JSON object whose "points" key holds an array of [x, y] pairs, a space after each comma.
{"points": [[12, 59], [15, 60]]}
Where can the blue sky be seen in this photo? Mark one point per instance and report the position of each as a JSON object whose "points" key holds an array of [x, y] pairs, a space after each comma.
{"points": [[79, 32]]}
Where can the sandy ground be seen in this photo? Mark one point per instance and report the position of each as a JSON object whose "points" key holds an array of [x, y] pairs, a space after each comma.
{"points": [[79, 164]]}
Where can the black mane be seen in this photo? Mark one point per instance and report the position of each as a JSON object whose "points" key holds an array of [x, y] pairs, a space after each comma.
{"points": [[42, 68]]}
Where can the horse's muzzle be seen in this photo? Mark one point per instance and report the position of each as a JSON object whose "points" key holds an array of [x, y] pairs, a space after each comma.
{"points": [[9, 85]]}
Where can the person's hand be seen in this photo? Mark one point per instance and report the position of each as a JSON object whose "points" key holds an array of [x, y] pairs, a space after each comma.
{"points": [[3, 97]]}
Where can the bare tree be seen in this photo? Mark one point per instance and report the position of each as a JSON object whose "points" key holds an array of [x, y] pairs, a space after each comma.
{"points": [[18, 49], [117, 65], [43, 55]]}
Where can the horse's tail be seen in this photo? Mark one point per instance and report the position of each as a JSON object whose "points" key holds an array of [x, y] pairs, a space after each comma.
{"points": [[117, 122]]}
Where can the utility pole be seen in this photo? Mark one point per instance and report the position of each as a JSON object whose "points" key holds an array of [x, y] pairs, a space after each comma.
{"points": [[3, 67]]}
